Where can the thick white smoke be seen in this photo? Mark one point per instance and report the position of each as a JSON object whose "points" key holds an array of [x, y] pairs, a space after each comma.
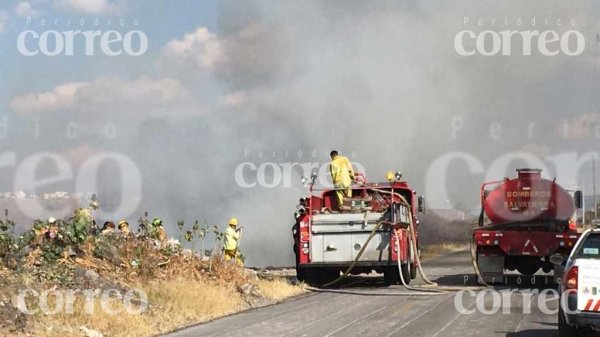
{"points": [[381, 79]]}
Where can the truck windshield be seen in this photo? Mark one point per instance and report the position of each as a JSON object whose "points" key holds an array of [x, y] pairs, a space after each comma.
{"points": [[590, 247]]}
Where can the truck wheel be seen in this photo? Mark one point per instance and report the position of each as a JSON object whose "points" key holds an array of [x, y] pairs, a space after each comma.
{"points": [[391, 275], [301, 274], [406, 273], [413, 271], [528, 265], [413, 265], [564, 329], [329, 275], [317, 277], [528, 269], [311, 276]]}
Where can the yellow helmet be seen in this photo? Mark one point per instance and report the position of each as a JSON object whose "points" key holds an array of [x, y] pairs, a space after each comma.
{"points": [[233, 221], [390, 176]]}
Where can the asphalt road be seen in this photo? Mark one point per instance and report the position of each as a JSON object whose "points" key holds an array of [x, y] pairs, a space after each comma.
{"points": [[382, 314]]}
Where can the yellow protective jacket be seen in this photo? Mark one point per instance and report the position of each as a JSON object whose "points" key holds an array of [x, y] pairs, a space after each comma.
{"points": [[341, 171], [231, 238]]}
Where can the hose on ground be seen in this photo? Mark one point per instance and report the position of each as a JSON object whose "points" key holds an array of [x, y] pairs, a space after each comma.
{"points": [[413, 291], [424, 277], [420, 291], [413, 242], [413, 238]]}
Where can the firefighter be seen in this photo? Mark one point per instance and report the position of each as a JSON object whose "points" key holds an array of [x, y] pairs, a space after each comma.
{"points": [[341, 176], [93, 230], [52, 231], [232, 239], [39, 230], [108, 228], [124, 228], [159, 230]]}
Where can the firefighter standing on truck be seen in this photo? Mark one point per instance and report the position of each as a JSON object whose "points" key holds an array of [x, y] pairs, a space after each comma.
{"points": [[232, 239], [341, 176]]}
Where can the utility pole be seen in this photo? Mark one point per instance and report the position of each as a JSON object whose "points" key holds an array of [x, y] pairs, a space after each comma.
{"points": [[583, 203], [595, 70], [594, 186]]}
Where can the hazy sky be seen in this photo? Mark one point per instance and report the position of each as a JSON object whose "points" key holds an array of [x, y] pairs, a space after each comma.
{"points": [[222, 81]]}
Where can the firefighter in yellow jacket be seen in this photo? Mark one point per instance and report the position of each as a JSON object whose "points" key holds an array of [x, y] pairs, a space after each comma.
{"points": [[232, 239], [341, 176]]}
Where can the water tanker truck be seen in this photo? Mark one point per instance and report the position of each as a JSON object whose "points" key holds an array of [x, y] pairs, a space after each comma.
{"points": [[523, 222]]}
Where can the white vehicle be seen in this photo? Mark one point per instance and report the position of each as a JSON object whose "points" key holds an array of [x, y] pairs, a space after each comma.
{"points": [[580, 284]]}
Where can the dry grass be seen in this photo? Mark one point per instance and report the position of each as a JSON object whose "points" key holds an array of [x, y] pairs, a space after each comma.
{"points": [[182, 302], [180, 287], [173, 304], [278, 289], [430, 251], [120, 324]]}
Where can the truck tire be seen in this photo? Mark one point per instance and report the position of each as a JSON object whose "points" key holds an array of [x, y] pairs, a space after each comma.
{"points": [[406, 273], [311, 276], [528, 269], [564, 329], [525, 265], [317, 277], [413, 266], [391, 275], [301, 274], [329, 275]]}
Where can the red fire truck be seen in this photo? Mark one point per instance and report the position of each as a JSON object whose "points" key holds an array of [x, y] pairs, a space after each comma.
{"points": [[529, 218], [329, 240]]}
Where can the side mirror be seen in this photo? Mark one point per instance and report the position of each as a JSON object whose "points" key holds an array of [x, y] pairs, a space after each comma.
{"points": [[557, 259], [421, 204], [578, 199], [313, 176], [306, 181]]}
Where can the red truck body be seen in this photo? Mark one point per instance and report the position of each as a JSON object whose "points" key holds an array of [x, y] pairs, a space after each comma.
{"points": [[327, 241], [530, 219]]}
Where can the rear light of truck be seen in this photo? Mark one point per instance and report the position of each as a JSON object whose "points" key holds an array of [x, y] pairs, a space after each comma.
{"points": [[572, 278], [567, 240], [304, 232], [488, 238]]}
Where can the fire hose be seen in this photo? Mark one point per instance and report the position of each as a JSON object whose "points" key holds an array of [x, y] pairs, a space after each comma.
{"points": [[424, 277], [414, 291]]}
